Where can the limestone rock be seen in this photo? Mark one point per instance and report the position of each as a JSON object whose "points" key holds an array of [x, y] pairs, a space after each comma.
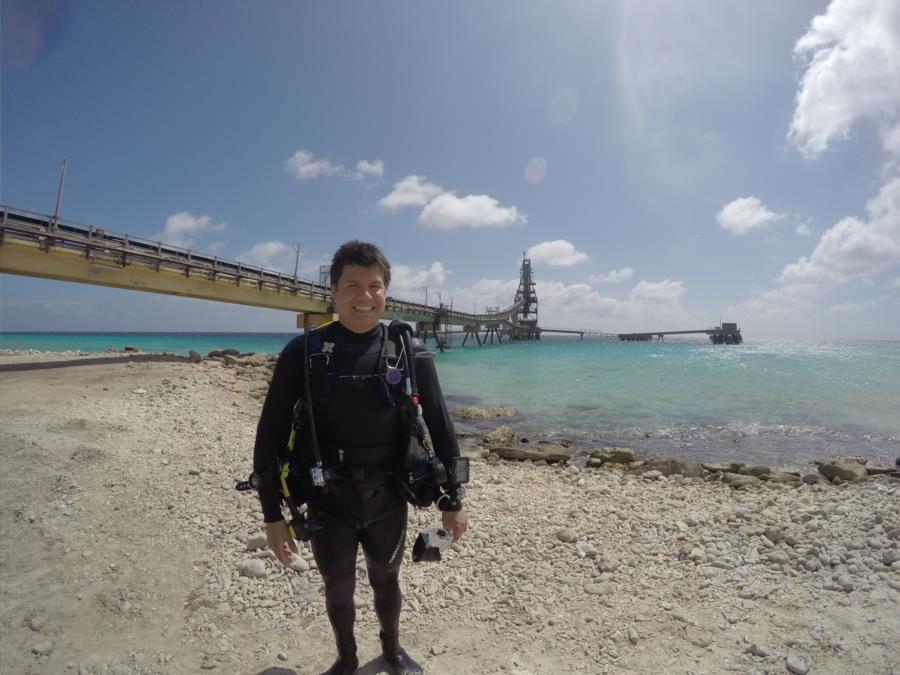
{"points": [[673, 465], [231, 360], [254, 568], [845, 469], [219, 353], [567, 534], [758, 470], [485, 412], [613, 455], [256, 542], [194, 357], [736, 480], [723, 467], [783, 477], [502, 435], [795, 664], [542, 452]]}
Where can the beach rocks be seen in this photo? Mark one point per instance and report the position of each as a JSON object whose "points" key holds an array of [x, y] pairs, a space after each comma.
{"points": [[669, 466], [502, 436], [219, 353], [567, 534], [737, 480], [194, 357], [470, 413], [540, 452], [254, 568], [795, 665], [844, 469], [759, 470], [611, 455], [724, 467]]}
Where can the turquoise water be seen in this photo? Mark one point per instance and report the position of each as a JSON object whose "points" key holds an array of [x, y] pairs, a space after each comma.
{"points": [[780, 403]]}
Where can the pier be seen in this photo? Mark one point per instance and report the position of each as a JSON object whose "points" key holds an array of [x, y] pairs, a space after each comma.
{"points": [[45, 246], [725, 334]]}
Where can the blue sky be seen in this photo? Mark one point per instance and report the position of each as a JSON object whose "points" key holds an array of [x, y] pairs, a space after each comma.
{"points": [[666, 165]]}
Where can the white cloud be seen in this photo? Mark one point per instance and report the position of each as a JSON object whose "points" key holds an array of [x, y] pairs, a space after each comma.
{"points": [[183, 228], [366, 168], [854, 248], [666, 291], [272, 255], [895, 283], [854, 67], [411, 191], [304, 166], [447, 212], [744, 215], [558, 253], [803, 230], [612, 277], [413, 278], [444, 210]]}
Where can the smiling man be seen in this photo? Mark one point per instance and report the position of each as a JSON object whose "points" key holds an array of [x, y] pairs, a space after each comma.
{"points": [[353, 418]]}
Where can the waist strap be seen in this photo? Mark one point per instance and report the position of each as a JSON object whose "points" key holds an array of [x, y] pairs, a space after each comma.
{"points": [[374, 456]]}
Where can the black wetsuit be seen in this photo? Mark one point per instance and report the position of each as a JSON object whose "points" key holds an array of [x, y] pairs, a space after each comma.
{"points": [[355, 418]]}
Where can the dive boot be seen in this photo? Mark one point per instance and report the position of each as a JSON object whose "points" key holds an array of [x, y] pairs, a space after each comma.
{"points": [[347, 662], [398, 661]]}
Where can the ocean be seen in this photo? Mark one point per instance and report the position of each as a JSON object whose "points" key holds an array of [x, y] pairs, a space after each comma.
{"points": [[779, 403]]}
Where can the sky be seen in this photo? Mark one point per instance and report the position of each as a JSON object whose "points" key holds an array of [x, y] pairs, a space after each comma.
{"points": [[665, 165]]}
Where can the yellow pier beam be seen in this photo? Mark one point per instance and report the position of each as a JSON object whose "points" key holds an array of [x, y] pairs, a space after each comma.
{"points": [[27, 258]]}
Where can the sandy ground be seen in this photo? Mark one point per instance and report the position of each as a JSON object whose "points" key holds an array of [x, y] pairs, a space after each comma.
{"points": [[122, 538]]}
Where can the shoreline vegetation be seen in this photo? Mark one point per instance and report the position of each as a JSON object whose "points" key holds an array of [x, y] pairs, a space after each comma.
{"points": [[126, 549]]}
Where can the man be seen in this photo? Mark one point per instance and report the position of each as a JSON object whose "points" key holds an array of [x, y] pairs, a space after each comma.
{"points": [[360, 432]]}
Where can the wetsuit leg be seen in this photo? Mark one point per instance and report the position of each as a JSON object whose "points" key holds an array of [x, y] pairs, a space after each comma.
{"points": [[383, 542], [334, 548]]}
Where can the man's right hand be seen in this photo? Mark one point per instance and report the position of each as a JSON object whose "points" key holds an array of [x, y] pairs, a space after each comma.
{"points": [[280, 541]]}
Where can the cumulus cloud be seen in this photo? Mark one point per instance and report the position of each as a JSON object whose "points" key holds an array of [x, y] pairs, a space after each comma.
{"points": [[895, 283], [665, 291], [272, 255], [744, 215], [303, 165], [183, 228], [411, 191], [448, 211], [374, 168], [558, 253], [612, 277], [854, 248], [413, 278], [853, 50], [444, 210], [803, 230]]}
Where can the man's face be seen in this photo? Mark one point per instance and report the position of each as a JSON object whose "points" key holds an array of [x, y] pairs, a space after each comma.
{"points": [[359, 298]]}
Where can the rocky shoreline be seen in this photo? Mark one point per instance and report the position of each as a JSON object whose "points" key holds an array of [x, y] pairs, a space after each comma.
{"points": [[126, 549]]}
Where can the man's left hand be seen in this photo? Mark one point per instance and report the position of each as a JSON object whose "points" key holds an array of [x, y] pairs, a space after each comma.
{"points": [[458, 521]]}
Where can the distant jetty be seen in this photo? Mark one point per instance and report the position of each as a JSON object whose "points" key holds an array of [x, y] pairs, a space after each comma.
{"points": [[726, 334]]}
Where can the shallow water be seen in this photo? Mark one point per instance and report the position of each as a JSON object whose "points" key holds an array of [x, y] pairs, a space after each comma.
{"points": [[778, 403]]}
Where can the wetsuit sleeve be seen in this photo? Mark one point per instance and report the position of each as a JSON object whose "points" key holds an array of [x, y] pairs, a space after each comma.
{"points": [[434, 409], [275, 424]]}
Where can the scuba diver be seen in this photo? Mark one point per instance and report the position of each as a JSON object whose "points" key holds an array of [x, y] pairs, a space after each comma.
{"points": [[339, 431]]}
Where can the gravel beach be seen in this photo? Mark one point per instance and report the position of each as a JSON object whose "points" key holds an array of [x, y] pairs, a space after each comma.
{"points": [[126, 549]]}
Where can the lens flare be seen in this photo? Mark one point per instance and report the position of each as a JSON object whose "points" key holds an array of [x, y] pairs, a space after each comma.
{"points": [[536, 170]]}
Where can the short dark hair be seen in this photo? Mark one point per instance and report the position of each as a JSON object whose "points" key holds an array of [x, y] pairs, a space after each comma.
{"points": [[359, 253]]}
